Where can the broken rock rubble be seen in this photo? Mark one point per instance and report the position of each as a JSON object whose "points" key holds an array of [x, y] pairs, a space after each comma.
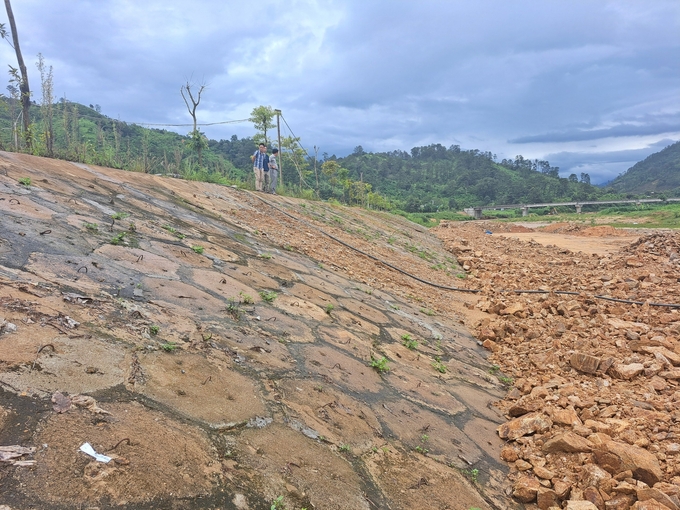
{"points": [[594, 398]]}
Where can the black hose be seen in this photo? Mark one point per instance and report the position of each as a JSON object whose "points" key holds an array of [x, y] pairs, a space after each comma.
{"points": [[456, 289]]}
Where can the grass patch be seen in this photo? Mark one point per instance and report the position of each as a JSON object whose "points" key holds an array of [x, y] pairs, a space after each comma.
{"points": [[174, 231], [409, 342], [438, 365], [118, 238], [268, 296], [381, 365]]}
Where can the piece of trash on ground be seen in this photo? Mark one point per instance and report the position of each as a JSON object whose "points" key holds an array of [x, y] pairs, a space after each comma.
{"points": [[87, 448]]}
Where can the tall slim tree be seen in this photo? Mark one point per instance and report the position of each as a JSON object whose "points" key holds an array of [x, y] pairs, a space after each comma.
{"points": [[47, 103], [196, 140], [262, 118], [23, 86]]}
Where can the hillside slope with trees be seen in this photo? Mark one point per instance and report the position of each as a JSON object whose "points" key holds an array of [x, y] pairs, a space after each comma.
{"points": [[435, 178], [427, 179], [659, 173]]}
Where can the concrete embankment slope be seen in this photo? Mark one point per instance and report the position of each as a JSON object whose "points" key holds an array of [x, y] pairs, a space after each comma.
{"points": [[220, 351]]}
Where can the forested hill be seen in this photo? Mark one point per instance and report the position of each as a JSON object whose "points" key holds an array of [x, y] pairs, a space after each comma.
{"points": [[659, 172], [426, 179], [437, 178]]}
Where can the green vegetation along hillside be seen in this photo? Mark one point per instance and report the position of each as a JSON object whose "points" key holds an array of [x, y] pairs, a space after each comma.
{"points": [[659, 173], [431, 179], [434, 178]]}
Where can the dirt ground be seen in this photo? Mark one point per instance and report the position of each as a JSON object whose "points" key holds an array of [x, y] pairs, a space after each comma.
{"points": [[229, 349]]}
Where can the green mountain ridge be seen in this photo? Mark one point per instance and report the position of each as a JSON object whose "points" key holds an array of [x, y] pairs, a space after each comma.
{"points": [[427, 179], [658, 173]]}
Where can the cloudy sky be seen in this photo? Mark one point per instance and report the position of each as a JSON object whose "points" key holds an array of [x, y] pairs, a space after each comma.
{"points": [[591, 85]]}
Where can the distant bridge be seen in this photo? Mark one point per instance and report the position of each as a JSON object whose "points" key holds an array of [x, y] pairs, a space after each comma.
{"points": [[476, 212]]}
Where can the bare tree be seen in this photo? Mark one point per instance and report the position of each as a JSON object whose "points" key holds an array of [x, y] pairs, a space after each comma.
{"points": [[196, 138], [23, 86]]}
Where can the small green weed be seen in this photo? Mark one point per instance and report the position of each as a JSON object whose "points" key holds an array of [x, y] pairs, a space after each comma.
{"points": [[391, 240], [169, 346], [462, 276], [380, 364], [93, 227], [408, 342], [154, 329], [268, 296], [118, 238], [26, 181], [472, 474], [427, 311], [345, 448], [119, 215], [424, 438], [507, 381], [174, 231], [233, 308], [197, 249], [245, 298], [287, 247], [278, 504], [494, 369], [438, 365], [329, 308], [265, 256], [422, 450]]}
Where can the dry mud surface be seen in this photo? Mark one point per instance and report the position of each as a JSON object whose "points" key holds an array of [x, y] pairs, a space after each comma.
{"points": [[217, 343]]}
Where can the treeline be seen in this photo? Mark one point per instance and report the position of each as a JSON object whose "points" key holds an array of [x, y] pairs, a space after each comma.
{"points": [[426, 179], [75, 132], [436, 178]]}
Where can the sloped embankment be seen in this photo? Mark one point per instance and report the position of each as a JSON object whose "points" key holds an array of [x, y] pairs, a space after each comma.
{"points": [[219, 351]]}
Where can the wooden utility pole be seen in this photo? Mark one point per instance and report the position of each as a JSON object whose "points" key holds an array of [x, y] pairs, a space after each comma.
{"points": [[278, 133]]}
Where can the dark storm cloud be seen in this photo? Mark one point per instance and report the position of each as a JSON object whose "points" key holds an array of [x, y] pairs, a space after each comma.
{"points": [[626, 129], [549, 78], [606, 165]]}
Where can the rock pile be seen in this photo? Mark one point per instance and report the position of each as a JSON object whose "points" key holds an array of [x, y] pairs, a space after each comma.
{"points": [[591, 356]]}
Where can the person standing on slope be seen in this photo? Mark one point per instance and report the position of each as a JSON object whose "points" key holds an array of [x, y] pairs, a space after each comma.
{"points": [[260, 162], [273, 171]]}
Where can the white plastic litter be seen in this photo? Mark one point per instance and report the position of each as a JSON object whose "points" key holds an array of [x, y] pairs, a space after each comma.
{"points": [[87, 448]]}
